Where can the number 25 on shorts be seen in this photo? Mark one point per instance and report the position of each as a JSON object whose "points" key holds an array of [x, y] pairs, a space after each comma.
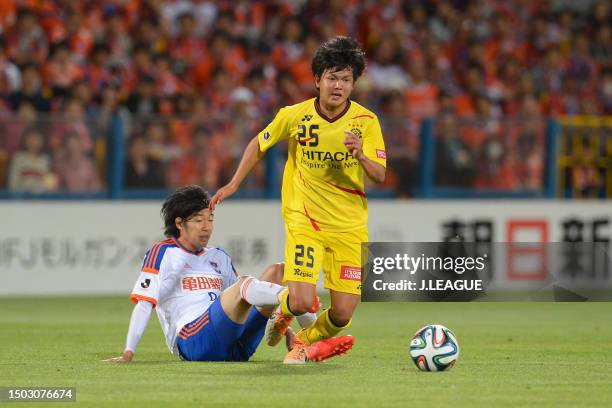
{"points": [[300, 251]]}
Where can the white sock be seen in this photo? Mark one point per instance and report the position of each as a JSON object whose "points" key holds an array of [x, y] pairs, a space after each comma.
{"points": [[260, 293], [306, 320]]}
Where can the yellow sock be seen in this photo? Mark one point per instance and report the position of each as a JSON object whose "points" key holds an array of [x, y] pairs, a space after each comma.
{"points": [[284, 304], [322, 329]]}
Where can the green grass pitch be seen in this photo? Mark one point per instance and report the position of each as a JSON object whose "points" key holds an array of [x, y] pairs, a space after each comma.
{"points": [[512, 354]]}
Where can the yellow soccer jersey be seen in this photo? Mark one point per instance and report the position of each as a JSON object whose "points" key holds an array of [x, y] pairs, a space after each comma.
{"points": [[323, 184]]}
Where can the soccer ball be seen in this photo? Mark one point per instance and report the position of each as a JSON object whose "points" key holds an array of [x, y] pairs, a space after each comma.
{"points": [[434, 348]]}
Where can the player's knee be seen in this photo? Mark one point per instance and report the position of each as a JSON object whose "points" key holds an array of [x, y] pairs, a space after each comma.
{"points": [[278, 272], [244, 278], [243, 282], [300, 304], [340, 316], [274, 273]]}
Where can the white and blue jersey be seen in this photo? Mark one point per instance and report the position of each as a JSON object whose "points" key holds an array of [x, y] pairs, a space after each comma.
{"points": [[182, 285]]}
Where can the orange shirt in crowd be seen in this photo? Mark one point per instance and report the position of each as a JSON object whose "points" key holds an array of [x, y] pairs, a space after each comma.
{"points": [[7, 13], [62, 75], [421, 101]]}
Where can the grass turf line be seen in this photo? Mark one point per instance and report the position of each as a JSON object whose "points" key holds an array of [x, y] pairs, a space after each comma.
{"points": [[512, 354]]}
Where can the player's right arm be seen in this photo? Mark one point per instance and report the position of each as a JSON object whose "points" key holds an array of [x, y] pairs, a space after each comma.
{"points": [[277, 130], [138, 324], [146, 296], [250, 157]]}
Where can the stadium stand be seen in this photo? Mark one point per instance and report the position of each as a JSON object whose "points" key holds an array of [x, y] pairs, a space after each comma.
{"points": [[474, 95]]}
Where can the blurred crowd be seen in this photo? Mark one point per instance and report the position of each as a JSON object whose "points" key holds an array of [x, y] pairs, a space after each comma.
{"points": [[192, 81]]}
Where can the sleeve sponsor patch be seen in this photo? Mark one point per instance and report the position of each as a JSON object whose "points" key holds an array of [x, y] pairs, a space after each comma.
{"points": [[381, 154], [146, 288]]}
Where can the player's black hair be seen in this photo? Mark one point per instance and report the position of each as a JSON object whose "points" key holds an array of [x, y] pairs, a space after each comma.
{"points": [[338, 54], [185, 202]]}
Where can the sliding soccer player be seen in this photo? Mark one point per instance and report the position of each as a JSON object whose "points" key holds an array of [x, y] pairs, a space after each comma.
{"points": [[204, 307]]}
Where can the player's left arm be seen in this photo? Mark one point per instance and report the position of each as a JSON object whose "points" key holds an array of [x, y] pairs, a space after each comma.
{"points": [[371, 153]]}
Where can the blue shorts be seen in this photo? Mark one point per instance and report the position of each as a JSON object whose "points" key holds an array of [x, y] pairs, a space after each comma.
{"points": [[215, 337]]}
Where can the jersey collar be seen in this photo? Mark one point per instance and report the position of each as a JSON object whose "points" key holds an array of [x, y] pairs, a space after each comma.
{"points": [[327, 118], [200, 252]]}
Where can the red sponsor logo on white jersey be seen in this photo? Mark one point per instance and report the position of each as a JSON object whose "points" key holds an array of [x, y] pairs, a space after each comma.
{"points": [[350, 273], [381, 154], [195, 283]]}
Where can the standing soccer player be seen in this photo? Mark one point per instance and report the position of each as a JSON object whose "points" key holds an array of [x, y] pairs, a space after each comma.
{"points": [[333, 143], [204, 307]]}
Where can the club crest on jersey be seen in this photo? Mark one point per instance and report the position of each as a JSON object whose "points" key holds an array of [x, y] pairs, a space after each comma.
{"points": [[356, 132], [145, 284], [215, 266], [266, 136]]}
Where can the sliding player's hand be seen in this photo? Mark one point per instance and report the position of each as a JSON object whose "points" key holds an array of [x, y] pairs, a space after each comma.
{"points": [[353, 145], [221, 194], [126, 357]]}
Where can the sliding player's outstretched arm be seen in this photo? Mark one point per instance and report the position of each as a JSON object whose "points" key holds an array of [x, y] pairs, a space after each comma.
{"points": [[138, 324], [145, 295], [250, 157]]}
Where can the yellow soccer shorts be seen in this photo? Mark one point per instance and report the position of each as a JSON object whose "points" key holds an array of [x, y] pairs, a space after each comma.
{"points": [[337, 253]]}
